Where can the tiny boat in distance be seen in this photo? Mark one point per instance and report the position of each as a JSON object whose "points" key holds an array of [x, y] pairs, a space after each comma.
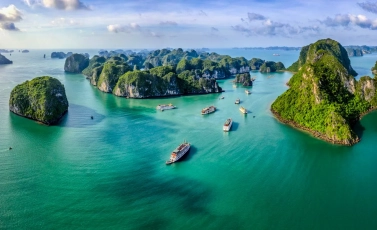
{"points": [[179, 152], [227, 125], [221, 98], [164, 107], [243, 110], [247, 91], [208, 110], [276, 54], [237, 101]]}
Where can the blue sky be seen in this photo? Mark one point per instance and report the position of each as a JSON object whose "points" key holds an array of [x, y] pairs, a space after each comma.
{"points": [[184, 23]]}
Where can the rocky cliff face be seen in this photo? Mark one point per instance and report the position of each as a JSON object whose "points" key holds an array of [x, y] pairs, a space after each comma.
{"points": [[314, 52], [42, 99], [243, 78], [76, 63], [4, 60], [140, 84], [374, 69], [110, 75], [324, 98], [242, 69], [217, 74], [354, 52]]}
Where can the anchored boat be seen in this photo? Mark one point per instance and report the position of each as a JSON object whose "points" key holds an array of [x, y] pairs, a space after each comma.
{"points": [[208, 110], [237, 101], [243, 110], [179, 152], [247, 91], [227, 125], [165, 107]]}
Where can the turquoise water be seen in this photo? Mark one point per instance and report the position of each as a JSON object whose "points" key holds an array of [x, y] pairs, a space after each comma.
{"points": [[110, 172]]}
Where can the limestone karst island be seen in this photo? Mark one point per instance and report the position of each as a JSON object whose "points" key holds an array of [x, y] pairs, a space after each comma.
{"points": [[188, 115], [324, 98]]}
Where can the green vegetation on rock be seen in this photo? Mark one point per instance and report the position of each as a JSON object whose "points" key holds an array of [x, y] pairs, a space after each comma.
{"points": [[313, 52], [374, 69], [110, 74], [42, 99], [76, 63], [243, 78], [324, 98], [270, 66]]}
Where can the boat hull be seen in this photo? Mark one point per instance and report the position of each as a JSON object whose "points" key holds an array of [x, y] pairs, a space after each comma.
{"points": [[226, 128], [180, 154]]}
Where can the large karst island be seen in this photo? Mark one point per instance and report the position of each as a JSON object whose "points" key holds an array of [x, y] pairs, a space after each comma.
{"points": [[164, 72], [324, 98], [42, 99]]}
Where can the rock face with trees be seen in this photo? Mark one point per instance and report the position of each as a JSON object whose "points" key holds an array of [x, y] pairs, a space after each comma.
{"points": [[167, 72], [76, 63], [324, 98], [42, 99]]}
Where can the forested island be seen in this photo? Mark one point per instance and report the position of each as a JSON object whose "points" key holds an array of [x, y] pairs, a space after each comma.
{"points": [[166, 72], [324, 98], [42, 99]]}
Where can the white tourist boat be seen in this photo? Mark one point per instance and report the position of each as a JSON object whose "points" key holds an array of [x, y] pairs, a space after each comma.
{"points": [[237, 101], [247, 91], [227, 125], [243, 110], [179, 152], [208, 110], [165, 107]]}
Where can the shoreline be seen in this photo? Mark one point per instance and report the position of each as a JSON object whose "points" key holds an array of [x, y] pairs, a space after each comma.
{"points": [[316, 133]]}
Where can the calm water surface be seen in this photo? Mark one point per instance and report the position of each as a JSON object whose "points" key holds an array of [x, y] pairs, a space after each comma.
{"points": [[110, 172]]}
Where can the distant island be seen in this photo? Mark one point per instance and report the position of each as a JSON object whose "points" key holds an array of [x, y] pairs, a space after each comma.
{"points": [[324, 98], [286, 48], [353, 51], [4, 60], [62, 55], [166, 72], [6, 51]]}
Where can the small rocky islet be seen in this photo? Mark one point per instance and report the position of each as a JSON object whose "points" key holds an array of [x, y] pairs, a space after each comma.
{"points": [[4, 60], [324, 98], [42, 99], [167, 72]]}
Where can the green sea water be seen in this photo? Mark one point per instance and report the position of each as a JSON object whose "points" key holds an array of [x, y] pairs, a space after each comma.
{"points": [[110, 172]]}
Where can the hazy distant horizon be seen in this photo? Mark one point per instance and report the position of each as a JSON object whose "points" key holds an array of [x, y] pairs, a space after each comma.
{"points": [[89, 24]]}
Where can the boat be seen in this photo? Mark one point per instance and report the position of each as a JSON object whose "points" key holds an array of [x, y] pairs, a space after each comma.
{"points": [[208, 110], [221, 98], [243, 110], [179, 152], [227, 125], [247, 91], [276, 54], [237, 101], [164, 107]]}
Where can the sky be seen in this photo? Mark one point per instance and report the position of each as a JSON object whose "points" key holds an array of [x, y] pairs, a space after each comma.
{"points": [[47, 24]]}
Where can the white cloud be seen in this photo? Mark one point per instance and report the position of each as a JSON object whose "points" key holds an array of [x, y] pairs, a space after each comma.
{"points": [[58, 4], [64, 22], [258, 24], [10, 14], [347, 20], [116, 28]]}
